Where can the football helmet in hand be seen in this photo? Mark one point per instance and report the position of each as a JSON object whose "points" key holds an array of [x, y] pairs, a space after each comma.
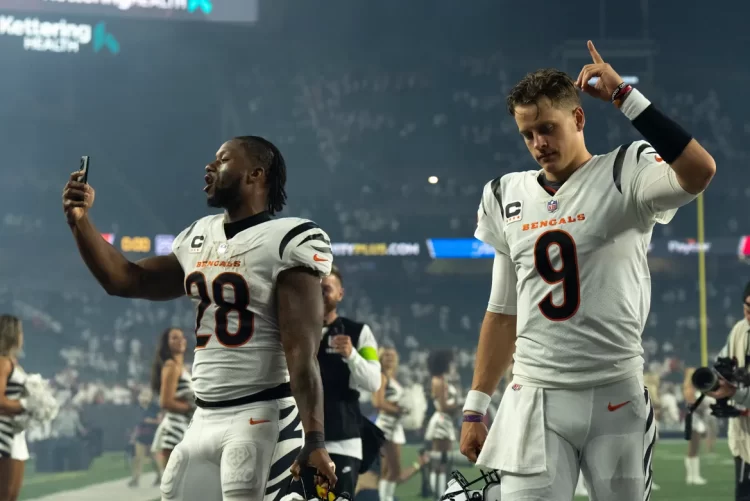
{"points": [[484, 488]]}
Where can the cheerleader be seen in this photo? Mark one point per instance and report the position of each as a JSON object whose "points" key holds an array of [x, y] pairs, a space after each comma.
{"points": [[143, 437], [13, 450], [441, 430], [692, 458], [386, 401], [172, 382]]}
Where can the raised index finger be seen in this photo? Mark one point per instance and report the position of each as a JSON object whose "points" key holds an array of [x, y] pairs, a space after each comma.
{"points": [[594, 53]]}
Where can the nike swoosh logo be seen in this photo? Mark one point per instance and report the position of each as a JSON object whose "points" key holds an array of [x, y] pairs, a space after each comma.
{"points": [[319, 259], [253, 422], [613, 408]]}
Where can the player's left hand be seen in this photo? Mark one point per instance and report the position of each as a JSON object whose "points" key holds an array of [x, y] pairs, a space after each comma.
{"points": [[726, 390], [343, 345], [323, 464], [608, 79]]}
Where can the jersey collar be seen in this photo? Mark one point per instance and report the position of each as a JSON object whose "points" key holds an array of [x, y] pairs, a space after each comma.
{"points": [[231, 229], [569, 184]]}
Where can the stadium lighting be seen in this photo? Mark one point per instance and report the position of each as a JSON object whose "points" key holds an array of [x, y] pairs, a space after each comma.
{"points": [[432, 179], [628, 79]]}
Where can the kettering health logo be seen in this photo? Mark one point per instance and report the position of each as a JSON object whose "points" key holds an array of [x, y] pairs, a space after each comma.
{"points": [[203, 5], [190, 5], [58, 36]]}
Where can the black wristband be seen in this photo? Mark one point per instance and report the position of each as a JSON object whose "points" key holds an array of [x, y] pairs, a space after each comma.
{"points": [[318, 438], [313, 440], [667, 137]]}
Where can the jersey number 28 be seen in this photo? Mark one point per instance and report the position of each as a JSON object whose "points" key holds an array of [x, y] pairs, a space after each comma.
{"points": [[567, 273], [238, 306]]}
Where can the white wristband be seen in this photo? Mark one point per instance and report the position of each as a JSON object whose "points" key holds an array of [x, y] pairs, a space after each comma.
{"points": [[634, 104], [477, 401], [24, 403]]}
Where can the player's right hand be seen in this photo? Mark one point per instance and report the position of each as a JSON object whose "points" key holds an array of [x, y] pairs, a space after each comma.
{"points": [[77, 198], [473, 436], [323, 464]]}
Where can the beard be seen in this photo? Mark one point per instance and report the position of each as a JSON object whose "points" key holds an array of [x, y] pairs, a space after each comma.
{"points": [[329, 305], [223, 197]]}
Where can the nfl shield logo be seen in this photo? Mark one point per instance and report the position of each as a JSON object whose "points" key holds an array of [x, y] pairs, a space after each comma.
{"points": [[552, 206], [516, 387], [222, 248]]}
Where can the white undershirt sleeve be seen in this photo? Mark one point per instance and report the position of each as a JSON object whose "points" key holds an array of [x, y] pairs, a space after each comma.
{"points": [[503, 293]]}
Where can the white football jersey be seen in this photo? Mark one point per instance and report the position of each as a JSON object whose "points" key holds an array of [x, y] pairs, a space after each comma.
{"points": [[232, 283], [583, 286]]}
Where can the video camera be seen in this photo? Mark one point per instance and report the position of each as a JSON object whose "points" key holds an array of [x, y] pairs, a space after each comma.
{"points": [[707, 379]]}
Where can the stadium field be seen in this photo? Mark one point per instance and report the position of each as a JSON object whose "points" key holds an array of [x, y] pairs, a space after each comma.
{"points": [[668, 469]]}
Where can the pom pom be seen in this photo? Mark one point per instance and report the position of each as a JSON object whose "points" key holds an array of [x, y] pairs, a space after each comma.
{"points": [[40, 404]]}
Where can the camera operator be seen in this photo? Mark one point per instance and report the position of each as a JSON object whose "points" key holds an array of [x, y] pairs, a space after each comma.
{"points": [[738, 346], [348, 359]]}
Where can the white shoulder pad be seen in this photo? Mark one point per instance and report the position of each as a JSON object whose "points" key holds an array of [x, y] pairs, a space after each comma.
{"points": [[194, 235], [301, 243]]}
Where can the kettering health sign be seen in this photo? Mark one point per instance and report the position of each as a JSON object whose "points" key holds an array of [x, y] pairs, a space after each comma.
{"points": [[58, 35], [235, 11]]}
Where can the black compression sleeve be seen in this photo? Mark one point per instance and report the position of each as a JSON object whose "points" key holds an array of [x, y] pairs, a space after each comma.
{"points": [[667, 137]]}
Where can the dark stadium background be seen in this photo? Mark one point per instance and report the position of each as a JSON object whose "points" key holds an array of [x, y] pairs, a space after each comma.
{"points": [[366, 100]]}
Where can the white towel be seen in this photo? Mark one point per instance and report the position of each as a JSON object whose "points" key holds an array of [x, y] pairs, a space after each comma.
{"points": [[515, 443]]}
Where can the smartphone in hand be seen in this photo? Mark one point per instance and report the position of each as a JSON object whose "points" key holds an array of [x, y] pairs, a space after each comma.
{"points": [[84, 177]]}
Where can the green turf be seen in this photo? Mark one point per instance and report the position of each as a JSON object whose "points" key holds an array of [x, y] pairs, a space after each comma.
{"points": [[108, 467], [669, 474]]}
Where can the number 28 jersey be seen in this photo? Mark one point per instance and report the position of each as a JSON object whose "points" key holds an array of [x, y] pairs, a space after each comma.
{"points": [[582, 282], [232, 283]]}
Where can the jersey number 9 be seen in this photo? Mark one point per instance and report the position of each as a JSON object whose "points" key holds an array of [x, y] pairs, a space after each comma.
{"points": [[567, 273], [238, 306]]}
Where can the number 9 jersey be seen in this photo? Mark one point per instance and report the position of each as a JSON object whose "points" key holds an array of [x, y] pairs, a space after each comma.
{"points": [[232, 283], [573, 265]]}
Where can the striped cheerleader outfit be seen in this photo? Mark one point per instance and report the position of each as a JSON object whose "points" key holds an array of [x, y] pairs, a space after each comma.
{"points": [[388, 423], [442, 424], [12, 442], [172, 428]]}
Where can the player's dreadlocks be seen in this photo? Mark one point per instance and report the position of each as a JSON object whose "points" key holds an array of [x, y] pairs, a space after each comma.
{"points": [[268, 156]]}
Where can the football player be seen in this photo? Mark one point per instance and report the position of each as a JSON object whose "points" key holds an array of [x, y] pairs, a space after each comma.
{"points": [[571, 291], [255, 283]]}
